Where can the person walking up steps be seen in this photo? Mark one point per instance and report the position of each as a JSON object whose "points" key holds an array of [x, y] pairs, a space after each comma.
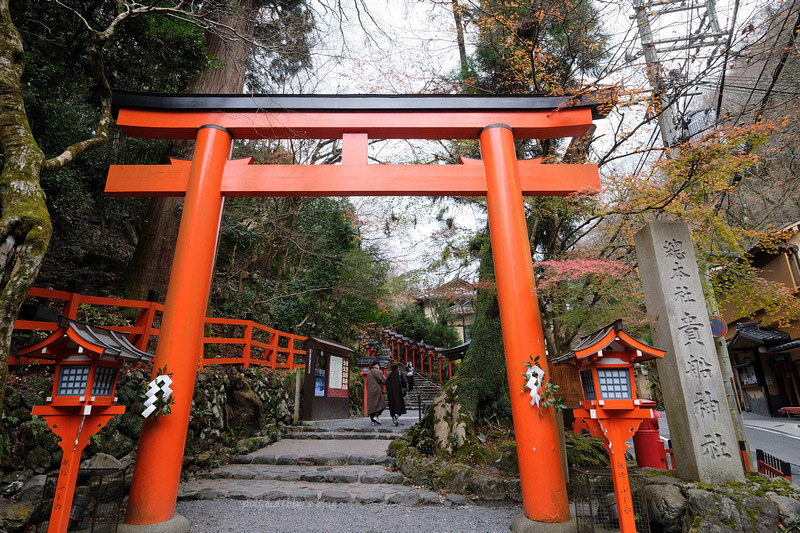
{"points": [[396, 388], [375, 402]]}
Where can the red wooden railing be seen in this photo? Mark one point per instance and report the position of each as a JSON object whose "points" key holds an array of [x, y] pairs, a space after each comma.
{"points": [[771, 466], [256, 345], [421, 356]]}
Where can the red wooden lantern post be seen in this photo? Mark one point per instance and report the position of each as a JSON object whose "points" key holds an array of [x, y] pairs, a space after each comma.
{"points": [[610, 408], [87, 366]]}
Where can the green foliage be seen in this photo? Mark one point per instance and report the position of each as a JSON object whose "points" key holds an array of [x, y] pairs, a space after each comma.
{"points": [[298, 265], [541, 46], [94, 235], [483, 383], [747, 293], [284, 33], [410, 320]]}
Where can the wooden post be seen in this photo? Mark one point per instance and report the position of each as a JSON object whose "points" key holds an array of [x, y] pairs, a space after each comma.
{"points": [[154, 490], [544, 490]]}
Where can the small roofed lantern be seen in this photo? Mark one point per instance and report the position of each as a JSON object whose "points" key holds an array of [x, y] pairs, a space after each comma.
{"points": [[87, 360], [610, 409]]}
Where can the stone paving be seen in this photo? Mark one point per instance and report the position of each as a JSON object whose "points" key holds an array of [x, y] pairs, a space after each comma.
{"points": [[332, 461]]}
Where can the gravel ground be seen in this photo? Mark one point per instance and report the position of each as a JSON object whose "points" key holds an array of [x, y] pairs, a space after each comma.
{"points": [[221, 516]]}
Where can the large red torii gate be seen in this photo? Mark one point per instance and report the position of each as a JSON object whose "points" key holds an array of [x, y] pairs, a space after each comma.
{"points": [[214, 121]]}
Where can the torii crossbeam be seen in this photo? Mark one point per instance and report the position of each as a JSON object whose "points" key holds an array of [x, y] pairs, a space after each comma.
{"points": [[214, 121]]}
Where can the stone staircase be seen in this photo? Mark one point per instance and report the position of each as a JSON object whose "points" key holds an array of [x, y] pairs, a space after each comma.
{"points": [[423, 393], [331, 461]]}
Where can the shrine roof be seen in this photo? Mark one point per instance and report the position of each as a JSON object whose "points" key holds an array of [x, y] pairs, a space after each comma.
{"points": [[74, 335], [610, 339], [456, 352], [785, 347], [599, 102], [750, 335]]}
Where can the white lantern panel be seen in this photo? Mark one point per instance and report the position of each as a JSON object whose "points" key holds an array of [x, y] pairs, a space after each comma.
{"points": [[72, 380], [614, 383]]}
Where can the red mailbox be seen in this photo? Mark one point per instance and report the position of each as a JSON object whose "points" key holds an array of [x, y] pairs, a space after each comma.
{"points": [[610, 408], [647, 442]]}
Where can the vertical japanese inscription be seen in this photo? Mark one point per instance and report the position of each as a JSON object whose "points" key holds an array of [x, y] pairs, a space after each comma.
{"points": [[693, 388]]}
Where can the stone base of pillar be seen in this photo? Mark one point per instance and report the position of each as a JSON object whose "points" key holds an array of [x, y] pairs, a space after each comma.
{"points": [[522, 524], [176, 524]]}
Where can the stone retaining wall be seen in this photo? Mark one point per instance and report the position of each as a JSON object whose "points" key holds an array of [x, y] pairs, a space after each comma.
{"points": [[229, 405]]}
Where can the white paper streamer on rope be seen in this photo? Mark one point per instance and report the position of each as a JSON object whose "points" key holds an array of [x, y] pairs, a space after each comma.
{"points": [[534, 375], [161, 384]]}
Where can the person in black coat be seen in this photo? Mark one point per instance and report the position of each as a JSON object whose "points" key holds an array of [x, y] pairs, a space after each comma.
{"points": [[396, 384]]}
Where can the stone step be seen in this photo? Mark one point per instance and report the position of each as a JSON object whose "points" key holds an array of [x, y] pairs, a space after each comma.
{"points": [[252, 489], [365, 474], [339, 435], [324, 459], [321, 452]]}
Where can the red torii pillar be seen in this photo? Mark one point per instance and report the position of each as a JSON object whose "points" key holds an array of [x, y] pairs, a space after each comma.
{"points": [[215, 120]]}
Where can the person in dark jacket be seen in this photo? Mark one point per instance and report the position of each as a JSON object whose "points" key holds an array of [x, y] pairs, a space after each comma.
{"points": [[395, 385], [375, 402]]}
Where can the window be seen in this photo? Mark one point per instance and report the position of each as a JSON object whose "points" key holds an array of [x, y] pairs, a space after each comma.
{"points": [[614, 383], [73, 380], [104, 378], [588, 384]]}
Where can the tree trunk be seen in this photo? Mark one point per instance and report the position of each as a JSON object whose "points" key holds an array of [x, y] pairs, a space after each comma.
{"points": [[152, 261], [25, 227]]}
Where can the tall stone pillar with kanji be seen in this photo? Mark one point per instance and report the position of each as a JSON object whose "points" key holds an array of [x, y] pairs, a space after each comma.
{"points": [[702, 432]]}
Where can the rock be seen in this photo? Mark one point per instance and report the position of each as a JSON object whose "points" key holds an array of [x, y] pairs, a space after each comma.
{"points": [[32, 490], [509, 462], [250, 444], [514, 490], [457, 499], [13, 399], [700, 500], [243, 408], [665, 506], [454, 477], [487, 488], [38, 459], [417, 467], [30, 399], [130, 424], [282, 412], [102, 460], [788, 509], [759, 515], [14, 516], [117, 445]]}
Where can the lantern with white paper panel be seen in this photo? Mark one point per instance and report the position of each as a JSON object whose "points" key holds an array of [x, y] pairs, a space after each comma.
{"points": [[610, 408], [87, 364]]}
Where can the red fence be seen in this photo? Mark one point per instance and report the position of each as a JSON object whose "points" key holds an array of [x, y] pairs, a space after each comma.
{"points": [[771, 466], [227, 341]]}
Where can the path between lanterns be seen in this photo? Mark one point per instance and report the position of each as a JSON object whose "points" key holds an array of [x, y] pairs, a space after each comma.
{"points": [[328, 461]]}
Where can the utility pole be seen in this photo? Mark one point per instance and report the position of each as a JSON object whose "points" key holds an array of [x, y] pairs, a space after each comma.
{"points": [[657, 50], [674, 128]]}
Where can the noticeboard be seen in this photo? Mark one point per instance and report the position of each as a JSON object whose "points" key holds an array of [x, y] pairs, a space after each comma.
{"points": [[326, 390]]}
